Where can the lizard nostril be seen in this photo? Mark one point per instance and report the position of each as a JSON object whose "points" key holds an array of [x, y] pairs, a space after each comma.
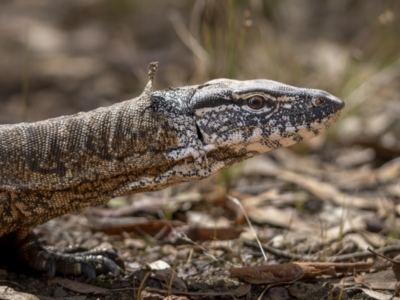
{"points": [[318, 101]]}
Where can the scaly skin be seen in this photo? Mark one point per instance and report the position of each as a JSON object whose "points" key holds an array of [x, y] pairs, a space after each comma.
{"points": [[53, 167]]}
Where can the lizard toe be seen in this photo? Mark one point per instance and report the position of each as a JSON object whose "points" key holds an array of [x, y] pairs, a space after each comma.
{"points": [[74, 261], [107, 265]]}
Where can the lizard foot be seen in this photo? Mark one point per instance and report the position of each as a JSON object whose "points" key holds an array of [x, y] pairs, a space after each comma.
{"points": [[71, 261]]}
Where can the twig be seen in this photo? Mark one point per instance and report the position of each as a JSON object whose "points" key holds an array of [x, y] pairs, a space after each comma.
{"points": [[237, 202]]}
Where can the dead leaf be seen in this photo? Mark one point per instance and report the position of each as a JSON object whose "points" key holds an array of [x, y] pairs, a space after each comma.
{"points": [[315, 268], [358, 279], [328, 192], [383, 280], [314, 291], [151, 295], [349, 225], [242, 290], [78, 287], [277, 217], [8, 293], [277, 293], [395, 268], [151, 228], [268, 274], [201, 234], [210, 295], [158, 265], [284, 273], [389, 171], [169, 279], [174, 297], [379, 296]]}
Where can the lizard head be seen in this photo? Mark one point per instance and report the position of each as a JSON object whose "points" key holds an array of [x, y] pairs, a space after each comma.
{"points": [[257, 116]]}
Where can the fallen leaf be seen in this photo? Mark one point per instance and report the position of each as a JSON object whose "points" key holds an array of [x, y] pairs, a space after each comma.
{"points": [[169, 279], [302, 290], [268, 274], [8, 293], [242, 290], [383, 280], [328, 192], [277, 293], [158, 265], [389, 171], [277, 217], [78, 287], [379, 296], [201, 234], [284, 273], [151, 228]]}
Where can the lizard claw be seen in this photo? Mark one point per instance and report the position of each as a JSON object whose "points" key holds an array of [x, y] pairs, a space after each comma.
{"points": [[71, 261], [89, 263]]}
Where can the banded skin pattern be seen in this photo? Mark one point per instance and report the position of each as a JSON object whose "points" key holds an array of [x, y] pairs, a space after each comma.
{"points": [[57, 166]]}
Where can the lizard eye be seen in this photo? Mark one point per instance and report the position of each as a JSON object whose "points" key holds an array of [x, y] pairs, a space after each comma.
{"points": [[255, 102]]}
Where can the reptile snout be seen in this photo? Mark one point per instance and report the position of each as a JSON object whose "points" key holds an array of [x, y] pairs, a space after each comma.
{"points": [[340, 104], [326, 99]]}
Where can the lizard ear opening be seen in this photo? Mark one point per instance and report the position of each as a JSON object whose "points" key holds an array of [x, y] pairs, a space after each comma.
{"points": [[199, 134]]}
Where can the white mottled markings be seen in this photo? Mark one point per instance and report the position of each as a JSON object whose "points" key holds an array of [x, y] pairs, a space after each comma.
{"points": [[287, 106]]}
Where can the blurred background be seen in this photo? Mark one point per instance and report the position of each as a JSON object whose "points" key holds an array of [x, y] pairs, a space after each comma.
{"points": [[61, 57], [65, 56]]}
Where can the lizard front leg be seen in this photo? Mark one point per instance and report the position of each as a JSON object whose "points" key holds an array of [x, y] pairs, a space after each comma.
{"points": [[71, 261]]}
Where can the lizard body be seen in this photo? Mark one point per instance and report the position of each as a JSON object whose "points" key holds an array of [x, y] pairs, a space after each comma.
{"points": [[53, 167]]}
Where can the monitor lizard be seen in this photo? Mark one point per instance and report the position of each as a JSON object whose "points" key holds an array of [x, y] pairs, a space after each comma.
{"points": [[161, 138]]}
